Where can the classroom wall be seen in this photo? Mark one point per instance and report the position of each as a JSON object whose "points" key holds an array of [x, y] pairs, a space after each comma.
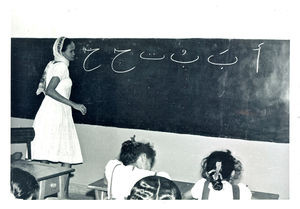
{"points": [[266, 164]]}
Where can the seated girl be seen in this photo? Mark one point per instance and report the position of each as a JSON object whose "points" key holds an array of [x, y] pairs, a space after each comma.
{"points": [[220, 170], [23, 185], [135, 162], [155, 188]]}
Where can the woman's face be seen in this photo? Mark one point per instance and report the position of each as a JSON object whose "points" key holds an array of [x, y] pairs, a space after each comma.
{"points": [[69, 54]]}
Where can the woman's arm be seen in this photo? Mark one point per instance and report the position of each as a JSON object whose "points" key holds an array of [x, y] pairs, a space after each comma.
{"points": [[51, 92]]}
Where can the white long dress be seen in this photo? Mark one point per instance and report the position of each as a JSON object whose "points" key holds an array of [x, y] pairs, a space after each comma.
{"points": [[55, 138]]}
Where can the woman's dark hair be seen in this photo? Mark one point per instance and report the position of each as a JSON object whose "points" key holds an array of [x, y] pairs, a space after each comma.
{"points": [[131, 150], [67, 42], [228, 164], [154, 188], [22, 184]]}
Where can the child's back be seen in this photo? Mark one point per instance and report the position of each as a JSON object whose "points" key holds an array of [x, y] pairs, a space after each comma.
{"points": [[202, 190], [135, 162], [121, 178], [219, 171]]}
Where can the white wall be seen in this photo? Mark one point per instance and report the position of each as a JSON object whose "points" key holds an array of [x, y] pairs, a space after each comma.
{"points": [[265, 164]]}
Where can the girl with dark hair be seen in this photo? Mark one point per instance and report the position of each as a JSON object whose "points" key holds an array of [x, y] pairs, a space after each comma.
{"points": [[23, 185], [155, 188], [220, 170], [135, 162]]}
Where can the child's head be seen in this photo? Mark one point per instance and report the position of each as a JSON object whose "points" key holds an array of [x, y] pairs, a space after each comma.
{"points": [[23, 185], [154, 188], [137, 153], [220, 165]]}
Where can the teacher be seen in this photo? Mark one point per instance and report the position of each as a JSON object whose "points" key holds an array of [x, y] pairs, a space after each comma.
{"points": [[55, 138]]}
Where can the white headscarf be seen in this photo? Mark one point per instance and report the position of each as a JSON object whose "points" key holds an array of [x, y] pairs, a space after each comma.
{"points": [[58, 57], [57, 53]]}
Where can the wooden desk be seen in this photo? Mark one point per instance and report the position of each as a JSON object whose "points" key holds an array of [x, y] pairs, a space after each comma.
{"points": [[52, 179], [101, 190]]}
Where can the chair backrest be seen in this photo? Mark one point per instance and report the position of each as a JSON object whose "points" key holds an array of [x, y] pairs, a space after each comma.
{"points": [[22, 135]]}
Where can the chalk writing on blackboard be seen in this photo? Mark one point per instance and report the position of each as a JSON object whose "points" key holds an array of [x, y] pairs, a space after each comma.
{"points": [[222, 64], [258, 54], [153, 58], [183, 62], [84, 62], [112, 62], [247, 100]]}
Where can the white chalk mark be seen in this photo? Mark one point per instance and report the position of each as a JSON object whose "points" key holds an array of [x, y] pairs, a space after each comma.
{"points": [[183, 62], [220, 95], [151, 58], [222, 63], [85, 50], [224, 51], [112, 62], [84, 62], [258, 55]]}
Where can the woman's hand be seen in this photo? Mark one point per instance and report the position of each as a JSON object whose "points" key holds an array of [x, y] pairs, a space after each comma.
{"points": [[81, 108]]}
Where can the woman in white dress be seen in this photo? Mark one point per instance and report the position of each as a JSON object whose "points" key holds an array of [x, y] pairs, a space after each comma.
{"points": [[55, 134]]}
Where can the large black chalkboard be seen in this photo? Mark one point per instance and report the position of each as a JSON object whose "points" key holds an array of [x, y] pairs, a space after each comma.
{"points": [[212, 87]]}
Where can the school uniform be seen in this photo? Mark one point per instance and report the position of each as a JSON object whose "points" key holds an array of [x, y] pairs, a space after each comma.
{"points": [[121, 178], [204, 190]]}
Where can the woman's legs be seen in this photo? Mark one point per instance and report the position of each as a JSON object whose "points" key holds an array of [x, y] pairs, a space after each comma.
{"points": [[68, 165], [67, 180]]}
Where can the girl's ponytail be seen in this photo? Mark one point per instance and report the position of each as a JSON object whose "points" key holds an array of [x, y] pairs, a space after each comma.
{"points": [[217, 185], [215, 176]]}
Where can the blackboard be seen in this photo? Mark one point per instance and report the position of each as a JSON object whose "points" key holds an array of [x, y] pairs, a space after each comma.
{"points": [[232, 88]]}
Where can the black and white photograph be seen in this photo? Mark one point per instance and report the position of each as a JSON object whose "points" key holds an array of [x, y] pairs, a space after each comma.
{"points": [[152, 100]]}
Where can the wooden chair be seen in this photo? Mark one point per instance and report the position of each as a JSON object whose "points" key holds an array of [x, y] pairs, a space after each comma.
{"points": [[22, 135]]}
